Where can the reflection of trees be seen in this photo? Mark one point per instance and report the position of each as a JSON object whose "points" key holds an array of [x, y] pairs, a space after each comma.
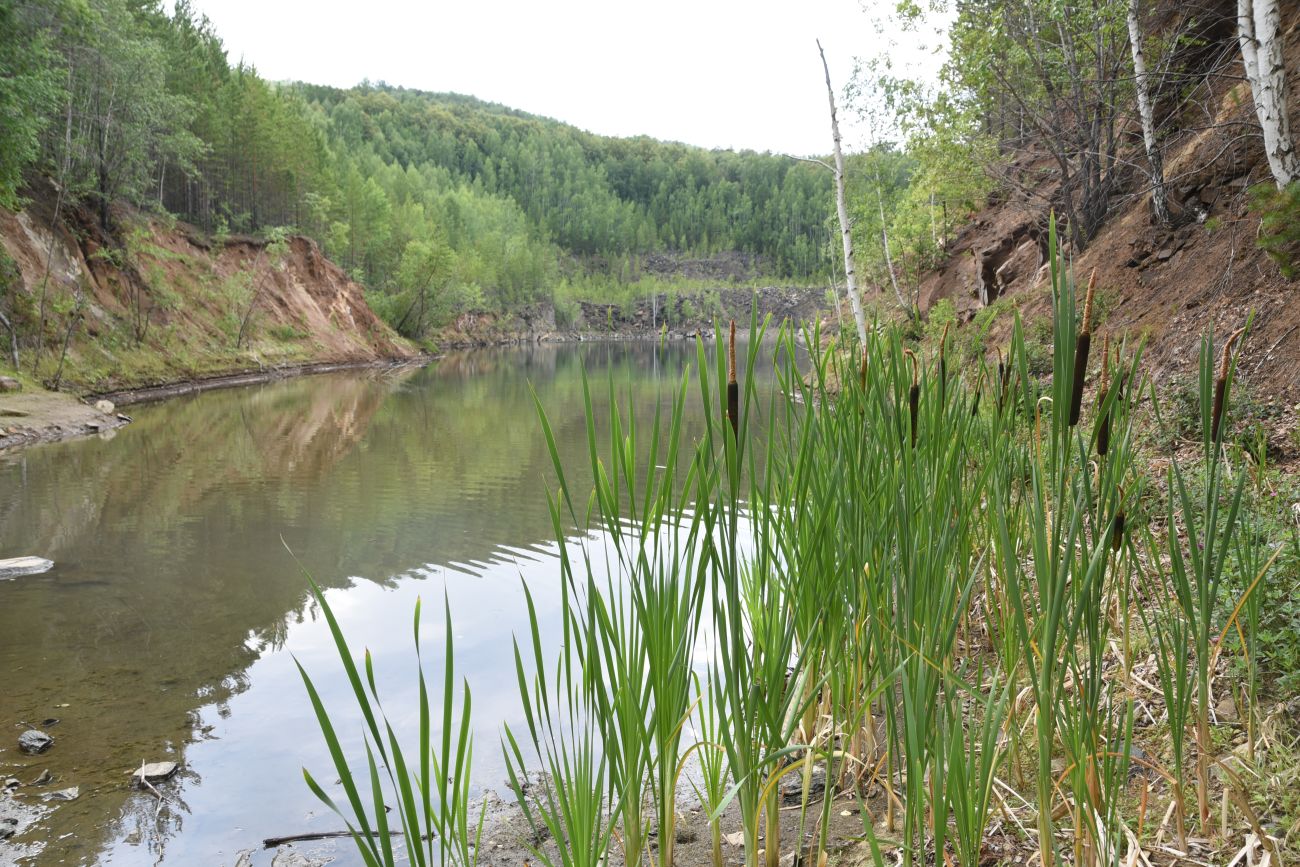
{"points": [[171, 578]]}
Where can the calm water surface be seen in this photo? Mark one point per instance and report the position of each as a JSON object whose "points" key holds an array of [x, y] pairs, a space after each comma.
{"points": [[168, 627]]}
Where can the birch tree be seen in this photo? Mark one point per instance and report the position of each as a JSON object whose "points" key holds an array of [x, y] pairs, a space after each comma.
{"points": [[1259, 33], [1142, 81]]}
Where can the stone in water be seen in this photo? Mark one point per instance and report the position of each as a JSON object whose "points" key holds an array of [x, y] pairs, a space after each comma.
{"points": [[154, 772], [16, 566], [33, 742], [62, 794]]}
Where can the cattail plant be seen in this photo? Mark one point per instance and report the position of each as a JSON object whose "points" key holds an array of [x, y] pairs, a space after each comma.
{"points": [[711, 790], [430, 797], [1196, 570], [972, 761], [573, 804]]}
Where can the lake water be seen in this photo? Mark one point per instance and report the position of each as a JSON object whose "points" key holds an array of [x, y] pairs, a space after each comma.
{"points": [[168, 628]]}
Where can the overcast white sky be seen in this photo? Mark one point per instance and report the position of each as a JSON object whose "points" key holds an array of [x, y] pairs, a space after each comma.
{"points": [[717, 73]]}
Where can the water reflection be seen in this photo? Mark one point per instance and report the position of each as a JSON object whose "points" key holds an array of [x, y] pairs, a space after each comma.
{"points": [[165, 630]]}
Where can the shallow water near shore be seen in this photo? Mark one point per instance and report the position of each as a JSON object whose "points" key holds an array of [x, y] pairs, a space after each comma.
{"points": [[168, 629]]}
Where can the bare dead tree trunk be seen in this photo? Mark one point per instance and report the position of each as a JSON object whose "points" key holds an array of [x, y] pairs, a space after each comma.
{"points": [[842, 210], [1159, 196], [1259, 33]]}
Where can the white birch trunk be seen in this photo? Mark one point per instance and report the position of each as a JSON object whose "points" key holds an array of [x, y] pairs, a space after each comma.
{"points": [[1159, 197], [1259, 33], [842, 209]]}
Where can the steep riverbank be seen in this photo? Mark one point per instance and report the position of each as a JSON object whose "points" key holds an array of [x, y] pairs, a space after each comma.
{"points": [[151, 302]]}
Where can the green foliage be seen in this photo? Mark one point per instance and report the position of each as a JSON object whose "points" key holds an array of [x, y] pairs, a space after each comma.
{"points": [[430, 791], [941, 316], [1279, 224], [287, 333], [29, 92]]}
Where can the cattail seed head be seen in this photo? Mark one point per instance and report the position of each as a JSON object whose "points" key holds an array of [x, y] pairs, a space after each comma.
{"points": [[862, 371], [1081, 348], [1001, 390], [733, 386], [913, 394], [1080, 372], [1221, 385], [1118, 524]]}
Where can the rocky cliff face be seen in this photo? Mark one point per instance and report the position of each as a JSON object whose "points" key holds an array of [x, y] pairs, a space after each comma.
{"points": [[680, 315], [153, 302]]}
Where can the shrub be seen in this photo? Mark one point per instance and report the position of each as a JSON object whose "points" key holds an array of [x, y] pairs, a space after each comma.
{"points": [[1279, 224]]}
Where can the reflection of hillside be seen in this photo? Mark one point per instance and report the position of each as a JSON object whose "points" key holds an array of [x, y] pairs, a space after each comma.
{"points": [[171, 576]]}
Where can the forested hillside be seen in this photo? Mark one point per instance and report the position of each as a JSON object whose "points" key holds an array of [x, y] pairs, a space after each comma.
{"points": [[436, 203]]}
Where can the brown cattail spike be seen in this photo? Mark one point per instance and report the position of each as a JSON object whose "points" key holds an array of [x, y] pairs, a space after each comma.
{"points": [[862, 371], [1081, 353], [1221, 385], [733, 386], [913, 395], [1001, 389]]}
